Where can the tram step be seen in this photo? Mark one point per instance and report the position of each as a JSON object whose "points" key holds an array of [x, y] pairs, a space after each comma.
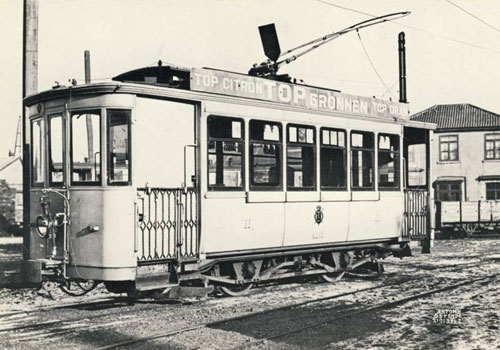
{"points": [[179, 292], [153, 281]]}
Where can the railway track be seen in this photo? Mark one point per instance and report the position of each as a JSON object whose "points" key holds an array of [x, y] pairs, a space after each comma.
{"points": [[297, 305], [121, 299], [125, 301], [75, 323], [349, 314], [336, 318]]}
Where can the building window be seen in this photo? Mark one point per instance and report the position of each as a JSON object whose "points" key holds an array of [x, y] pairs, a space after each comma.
{"points": [[86, 148], [37, 152], [448, 148], [333, 167], [56, 153], [265, 155], [119, 165], [492, 146], [493, 191], [225, 153], [448, 191], [301, 167], [362, 149], [388, 161]]}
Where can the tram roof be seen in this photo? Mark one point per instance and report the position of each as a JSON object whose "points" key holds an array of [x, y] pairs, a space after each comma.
{"points": [[203, 83]]}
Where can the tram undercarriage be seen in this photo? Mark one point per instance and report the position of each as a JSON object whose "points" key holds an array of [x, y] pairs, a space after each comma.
{"points": [[234, 277]]}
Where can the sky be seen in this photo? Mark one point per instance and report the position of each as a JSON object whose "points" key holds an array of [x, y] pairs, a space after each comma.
{"points": [[452, 46]]}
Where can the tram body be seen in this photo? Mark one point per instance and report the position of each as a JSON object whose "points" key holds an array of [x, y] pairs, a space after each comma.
{"points": [[168, 175]]}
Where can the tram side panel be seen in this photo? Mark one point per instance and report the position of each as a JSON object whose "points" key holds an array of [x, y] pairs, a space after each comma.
{"points": [[101, 239], [236, 220], [379, 218], [231, 224]]}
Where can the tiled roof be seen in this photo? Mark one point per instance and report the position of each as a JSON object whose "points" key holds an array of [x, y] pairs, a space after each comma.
{"points": [[458, 116]]}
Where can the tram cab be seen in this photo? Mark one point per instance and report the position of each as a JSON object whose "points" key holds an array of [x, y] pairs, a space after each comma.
{"points": [[167, 175]]}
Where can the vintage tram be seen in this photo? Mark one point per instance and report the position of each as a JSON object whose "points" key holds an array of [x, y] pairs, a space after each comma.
{"points": [[168, 177]]}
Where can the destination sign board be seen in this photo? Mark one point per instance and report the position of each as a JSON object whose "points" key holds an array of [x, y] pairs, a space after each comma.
{"points": [[226, 83]]}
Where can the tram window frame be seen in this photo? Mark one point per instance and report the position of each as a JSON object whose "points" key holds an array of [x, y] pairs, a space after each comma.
{"points": [[363, 149], [50, 148], [294, 142], [256, 139], [240, 140], [327, 145], [128, 157], [42, 153], [383, 186], [98, 182]]}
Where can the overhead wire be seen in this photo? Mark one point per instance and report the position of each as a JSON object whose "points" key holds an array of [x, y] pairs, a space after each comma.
{"points": [[373, 65], [474, 16], [414, 28]]}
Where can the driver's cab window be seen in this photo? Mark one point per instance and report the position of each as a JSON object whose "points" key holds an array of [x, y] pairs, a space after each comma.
{"points": [[86, 148], [37, 153], [56, 150]]}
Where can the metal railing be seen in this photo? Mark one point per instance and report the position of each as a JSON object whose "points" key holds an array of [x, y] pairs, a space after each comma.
{"points": [[167, 224]]}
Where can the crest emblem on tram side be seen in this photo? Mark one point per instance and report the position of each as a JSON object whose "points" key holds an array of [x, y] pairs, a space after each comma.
{"points": [[318, 215]]}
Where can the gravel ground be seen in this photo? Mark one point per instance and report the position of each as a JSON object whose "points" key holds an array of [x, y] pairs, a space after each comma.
{"points": [[464, 318]]}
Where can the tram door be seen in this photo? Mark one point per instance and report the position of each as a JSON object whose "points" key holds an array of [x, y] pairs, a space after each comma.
{"points": [[417, 191], [48, 194], [164, 157]]}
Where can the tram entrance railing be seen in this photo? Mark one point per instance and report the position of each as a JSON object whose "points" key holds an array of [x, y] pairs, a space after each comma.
{"points": [[166, 224], [416, 224]]}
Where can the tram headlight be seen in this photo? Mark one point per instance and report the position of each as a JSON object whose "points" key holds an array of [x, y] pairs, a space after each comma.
{"points": [[42, 226]]}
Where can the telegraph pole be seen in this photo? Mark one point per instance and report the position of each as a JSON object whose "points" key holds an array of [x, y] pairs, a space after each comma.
{"points": [[30, 86], [88, 118]]}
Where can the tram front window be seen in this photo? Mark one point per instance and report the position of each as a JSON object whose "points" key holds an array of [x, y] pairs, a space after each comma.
{"points": [[37, 152], [118, 147], [85, 148], [56, 141]]}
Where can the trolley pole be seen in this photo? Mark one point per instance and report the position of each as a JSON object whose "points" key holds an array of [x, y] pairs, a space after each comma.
{"points": [[30, 86]]}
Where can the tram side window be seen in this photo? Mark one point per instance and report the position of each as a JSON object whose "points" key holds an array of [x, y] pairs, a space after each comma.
{"points": [[37, 153], [85, 148], [301, 167], [362, 149], [119, 164], [333, 159], [265, 155], [388, 161], [225, 153], [56, 141]]}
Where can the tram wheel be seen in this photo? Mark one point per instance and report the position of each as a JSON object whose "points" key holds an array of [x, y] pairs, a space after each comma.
{"points": [[78, 288], [232, 290], [332, 277], [368, 270]]}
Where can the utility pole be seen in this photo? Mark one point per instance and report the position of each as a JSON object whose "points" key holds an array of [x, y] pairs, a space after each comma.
{"points": [[88, 117], [30, 86]]}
